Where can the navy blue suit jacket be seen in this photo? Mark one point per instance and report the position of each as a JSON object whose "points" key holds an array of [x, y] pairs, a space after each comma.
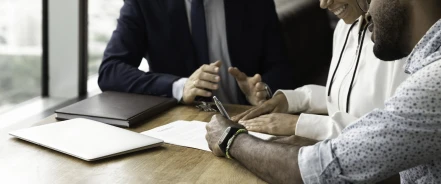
{"points": [[159, 31]]}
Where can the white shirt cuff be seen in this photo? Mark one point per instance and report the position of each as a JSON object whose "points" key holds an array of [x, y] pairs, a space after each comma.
{"points": [[296, 100], [315, 127], [309, 98], [178, 88], [319, 127]]}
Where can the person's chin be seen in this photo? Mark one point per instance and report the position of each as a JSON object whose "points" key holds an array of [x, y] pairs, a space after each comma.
{"points": [[348, 16], [350, 19], [387, 52]]}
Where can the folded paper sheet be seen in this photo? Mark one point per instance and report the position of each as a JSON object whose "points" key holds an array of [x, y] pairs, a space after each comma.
{"points": [[188, 133]]}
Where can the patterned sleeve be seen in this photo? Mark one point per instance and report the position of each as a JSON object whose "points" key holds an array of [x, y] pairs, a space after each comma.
{"points": [[406, 135]]}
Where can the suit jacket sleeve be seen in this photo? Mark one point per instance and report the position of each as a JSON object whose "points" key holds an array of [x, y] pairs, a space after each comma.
{"points": [[123, 55], [277, 69]]}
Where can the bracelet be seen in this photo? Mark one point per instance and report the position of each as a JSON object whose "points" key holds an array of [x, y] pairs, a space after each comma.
{"points": [[230, 142], [269, 93]]}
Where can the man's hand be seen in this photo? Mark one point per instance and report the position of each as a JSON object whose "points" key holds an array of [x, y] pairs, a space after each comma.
{"points": [[215, 128], [274, 162], [201, 81], [274, 124], [252, 87], [277, 104]]}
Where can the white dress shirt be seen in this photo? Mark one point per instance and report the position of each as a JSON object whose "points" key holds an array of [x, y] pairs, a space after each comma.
{"points": [[375, 81]]}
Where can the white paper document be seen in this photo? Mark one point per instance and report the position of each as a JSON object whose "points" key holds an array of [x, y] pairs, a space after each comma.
{"points": [[188, 133]]}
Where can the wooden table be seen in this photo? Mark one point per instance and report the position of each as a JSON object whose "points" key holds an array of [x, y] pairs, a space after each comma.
{"points": [[22, 162]]}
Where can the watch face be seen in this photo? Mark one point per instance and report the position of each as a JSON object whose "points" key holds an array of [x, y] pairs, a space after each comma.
{"points": [[224, 135]]}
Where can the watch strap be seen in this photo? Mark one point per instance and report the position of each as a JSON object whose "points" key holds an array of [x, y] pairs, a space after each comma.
{"points": [[228, 133], [230, 142]]}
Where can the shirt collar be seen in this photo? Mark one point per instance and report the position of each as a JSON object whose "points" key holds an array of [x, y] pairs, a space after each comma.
{"points": [[426, 51]]}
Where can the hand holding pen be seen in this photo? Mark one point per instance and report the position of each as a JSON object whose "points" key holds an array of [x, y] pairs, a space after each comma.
{"points": [[221, 108]]}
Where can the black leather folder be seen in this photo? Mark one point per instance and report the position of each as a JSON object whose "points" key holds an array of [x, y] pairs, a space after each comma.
{"points": [[115, 108]]}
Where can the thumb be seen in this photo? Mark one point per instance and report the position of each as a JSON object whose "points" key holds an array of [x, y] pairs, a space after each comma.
{"points": [[240, 76], [217, 63], [255, 79]]}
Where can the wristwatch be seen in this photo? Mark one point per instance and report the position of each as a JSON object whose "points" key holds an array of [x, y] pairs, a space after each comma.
{"points": [[228, 133]]}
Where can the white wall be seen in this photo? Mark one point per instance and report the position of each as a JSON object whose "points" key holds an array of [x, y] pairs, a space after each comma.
{"points": [[63, 48]]}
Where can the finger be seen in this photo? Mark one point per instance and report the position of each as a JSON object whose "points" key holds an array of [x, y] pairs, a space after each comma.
{"points": [[266, 117], [256, 112], [210, 69], [261, 102], [240, 76], [217, 63], [240, 116], [209, 77], [213, 118], [209, 125], [252, 122], [260, 86], [237, 118], [261, 120], [222, 120], [255, 79], [200, 92], [256, 129], [261, 95], [205, 85]]}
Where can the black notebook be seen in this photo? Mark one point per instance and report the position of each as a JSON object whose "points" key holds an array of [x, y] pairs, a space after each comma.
{"points": [[120, 109]]}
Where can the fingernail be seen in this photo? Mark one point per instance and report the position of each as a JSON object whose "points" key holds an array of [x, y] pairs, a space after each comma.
{"points": [[208, 94], [215, 86], [216, 69], [217, 78]]}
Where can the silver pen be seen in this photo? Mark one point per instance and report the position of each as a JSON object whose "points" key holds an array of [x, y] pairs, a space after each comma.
{"points": [[221, 108]]}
